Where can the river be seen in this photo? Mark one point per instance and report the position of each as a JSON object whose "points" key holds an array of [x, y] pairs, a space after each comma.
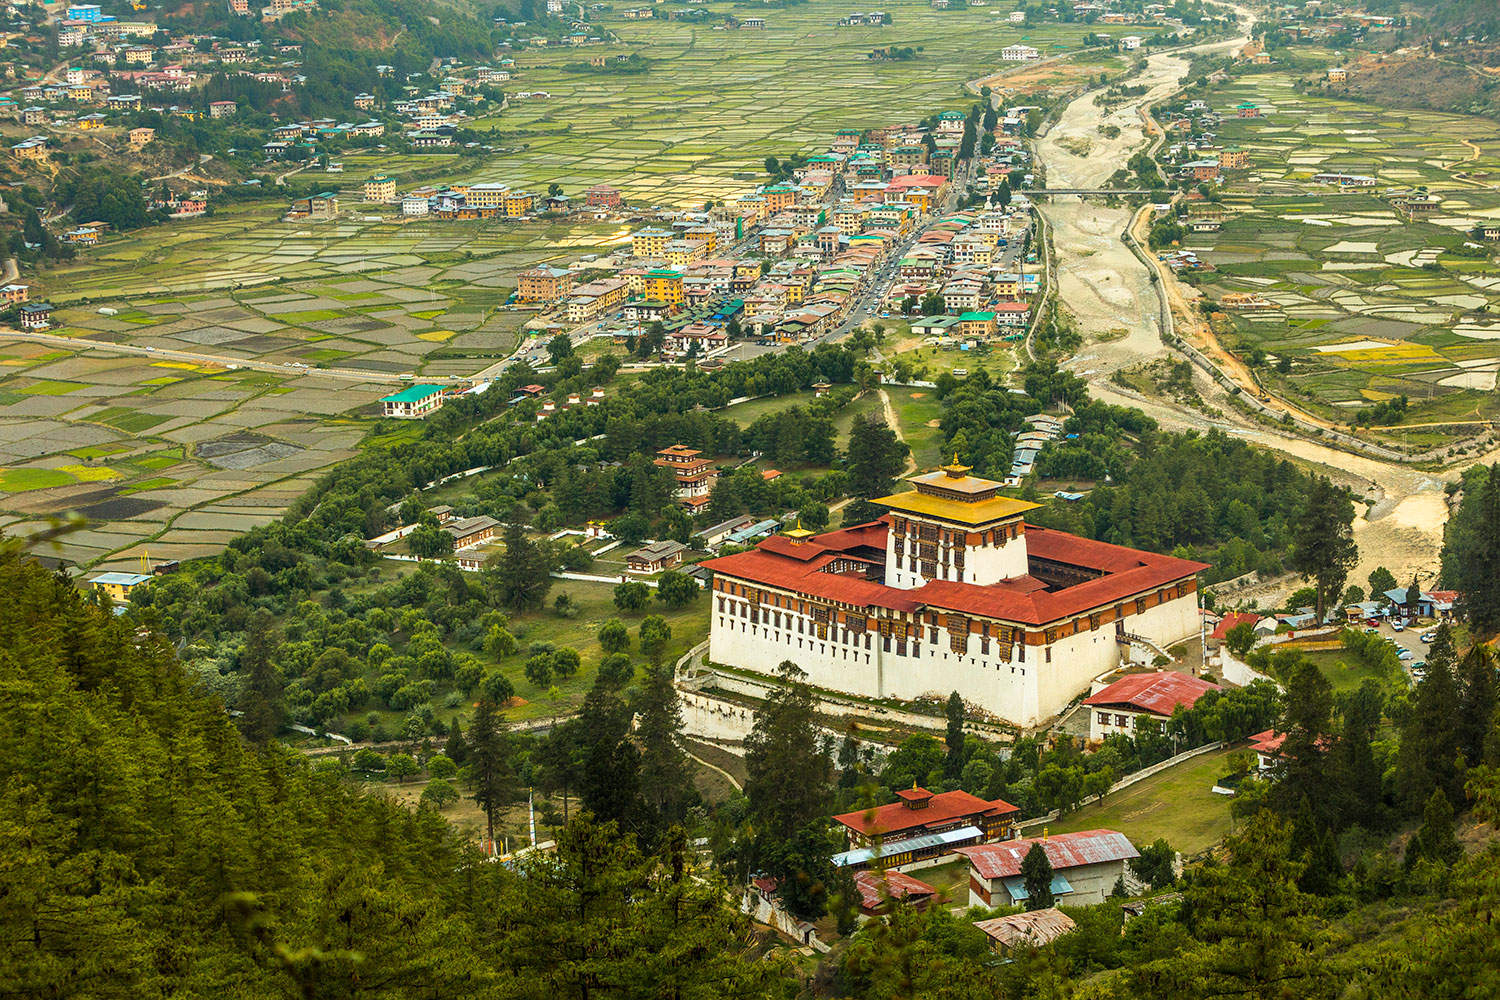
{"points": [[1110, 295]]}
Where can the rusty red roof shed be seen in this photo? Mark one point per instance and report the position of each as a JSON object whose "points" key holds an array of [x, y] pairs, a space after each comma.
{"points": [[875, 887], [1157, 693], [1064, 851]]}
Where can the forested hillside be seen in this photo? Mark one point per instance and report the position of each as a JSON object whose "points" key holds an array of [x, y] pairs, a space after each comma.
{"points": [[147, 850]]}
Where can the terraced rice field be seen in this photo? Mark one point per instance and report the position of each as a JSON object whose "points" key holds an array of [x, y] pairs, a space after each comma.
{"points": [[1368, 303], [717, 101]]}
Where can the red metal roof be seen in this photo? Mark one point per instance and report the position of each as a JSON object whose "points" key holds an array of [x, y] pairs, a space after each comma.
{"points": [[1157, 693], [1123, 573], [941, 809], [1233, 619], [875, 887], [1064, 850]]}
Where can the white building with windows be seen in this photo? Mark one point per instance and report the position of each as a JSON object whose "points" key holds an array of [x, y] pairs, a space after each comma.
{"points": [[952, 590]]}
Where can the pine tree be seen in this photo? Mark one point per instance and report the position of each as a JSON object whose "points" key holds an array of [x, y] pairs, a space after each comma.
{"points": [[262, 703], [953, 764], [1477, 703], [1483, 596], [610, 778], [1036, 870], [1435, 841], [489, 755], [789, 777], [521, 573], [1303, 765], [665, 780], [1323, 548], [456, 749], [876, 457], [1429, 748]]}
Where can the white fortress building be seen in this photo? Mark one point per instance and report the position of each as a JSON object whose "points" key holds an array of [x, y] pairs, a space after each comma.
{"points": [[952, 590]]}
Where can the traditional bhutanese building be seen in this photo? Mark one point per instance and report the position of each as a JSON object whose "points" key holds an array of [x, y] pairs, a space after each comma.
{"points": [[695, 474], [952, 590]]}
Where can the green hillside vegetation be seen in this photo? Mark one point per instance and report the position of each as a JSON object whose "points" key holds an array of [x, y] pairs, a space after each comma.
{"points": [[146, 849]]}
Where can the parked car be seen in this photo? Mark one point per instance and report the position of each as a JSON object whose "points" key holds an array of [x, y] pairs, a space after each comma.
{"points": [[1428, 636], [1397, 627], [1403, 654], [1371, 629]]}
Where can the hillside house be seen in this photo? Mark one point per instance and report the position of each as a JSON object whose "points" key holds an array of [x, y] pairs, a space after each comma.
{"points": [[1116, 708], [36, 316], [904, 831], [471, 531], [879, 889], [413, 402], [1085, 867], [1023, 932], [118, 585]]}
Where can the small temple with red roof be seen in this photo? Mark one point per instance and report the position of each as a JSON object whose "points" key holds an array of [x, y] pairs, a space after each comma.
{"points": [[952, 590]]}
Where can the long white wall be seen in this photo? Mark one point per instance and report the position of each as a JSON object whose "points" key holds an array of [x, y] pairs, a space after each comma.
{"points": [[1037, 683]]}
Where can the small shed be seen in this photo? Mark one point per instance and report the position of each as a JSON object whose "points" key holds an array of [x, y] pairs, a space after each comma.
{"points": [[1026, 931]]}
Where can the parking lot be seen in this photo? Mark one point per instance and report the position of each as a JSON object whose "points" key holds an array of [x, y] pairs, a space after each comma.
{"points": [[1414, 640]]}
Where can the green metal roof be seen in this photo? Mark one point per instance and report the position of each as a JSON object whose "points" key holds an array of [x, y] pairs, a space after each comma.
{"points": [[412, 394]]}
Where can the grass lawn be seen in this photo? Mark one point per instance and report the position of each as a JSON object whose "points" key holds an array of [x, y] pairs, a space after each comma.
{"points": [[1176, 804], [1344, 671], [748, 412], [919, 411], [21, 480]]}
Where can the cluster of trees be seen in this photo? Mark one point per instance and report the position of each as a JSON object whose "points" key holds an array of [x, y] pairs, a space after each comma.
{"points": [[1205, 496], [104, 194], [1390, 411], [1471, 546]]}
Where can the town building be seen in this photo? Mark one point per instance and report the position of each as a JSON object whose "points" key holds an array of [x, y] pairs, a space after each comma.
{"points": [[222, 109], [36, 316], [1345, 180], [381, 188], [319, 206], [1019, 53], [603, 196], [1337, 74], [1234, 158], [118, 585], [1085, 868], [413, 402], [952, 590], [544, 284], [695, 474], [655, 557], [141, 137], [1115, 708]]}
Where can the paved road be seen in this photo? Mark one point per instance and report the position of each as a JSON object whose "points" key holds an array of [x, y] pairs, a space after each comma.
{"points": [[279, 368]]}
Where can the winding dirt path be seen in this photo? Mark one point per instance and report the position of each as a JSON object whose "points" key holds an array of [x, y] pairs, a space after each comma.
{"points": [[894, 422]]}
